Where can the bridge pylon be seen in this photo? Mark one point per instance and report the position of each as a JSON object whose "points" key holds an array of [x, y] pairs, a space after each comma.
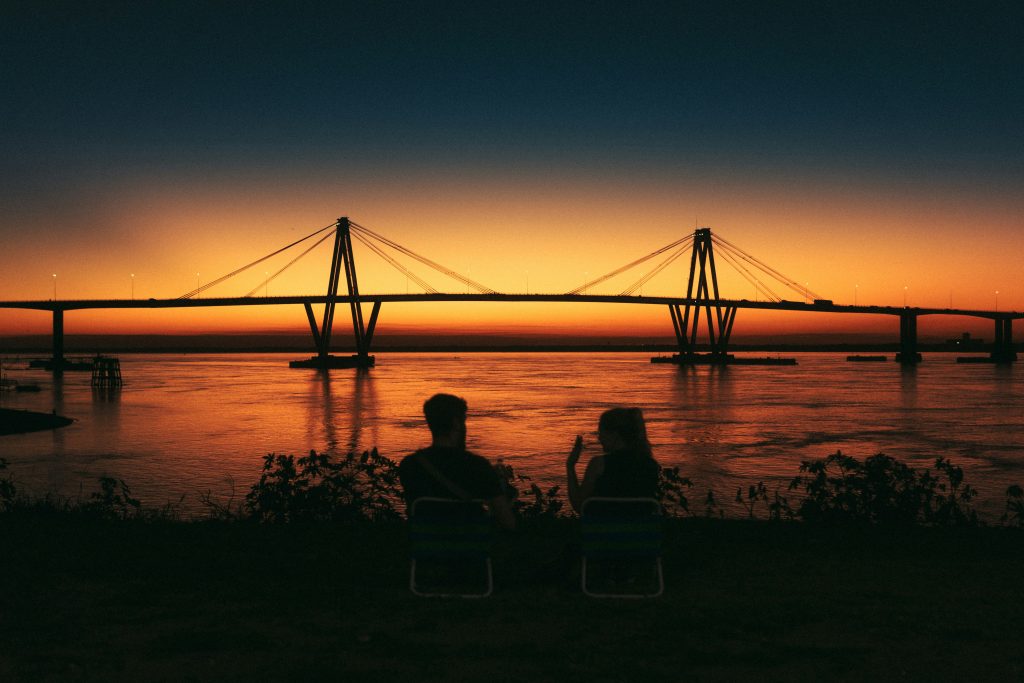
{"points": [[1003, 349], [908, 354], [701, 291], [342, 260]]}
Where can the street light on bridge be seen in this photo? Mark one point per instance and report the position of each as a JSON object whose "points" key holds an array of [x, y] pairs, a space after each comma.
{"points": [[904, 296], [133, 286], [997, 301], [55, 286]]}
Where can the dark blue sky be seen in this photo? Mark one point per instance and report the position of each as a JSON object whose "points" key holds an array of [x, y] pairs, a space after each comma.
{"points": [[910, 88], [849, 144]]}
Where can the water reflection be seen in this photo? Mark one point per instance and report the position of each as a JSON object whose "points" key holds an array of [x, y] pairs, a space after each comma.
{"points": [[106, 418], [703, 412], [326, 412], [908, 387], [55, 473]]}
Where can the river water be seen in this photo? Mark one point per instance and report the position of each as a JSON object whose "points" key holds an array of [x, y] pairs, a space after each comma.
{"points": [[189, 424]]}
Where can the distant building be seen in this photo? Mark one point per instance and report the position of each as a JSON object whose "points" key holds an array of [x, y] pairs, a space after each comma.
{"points": [[966, 341]]}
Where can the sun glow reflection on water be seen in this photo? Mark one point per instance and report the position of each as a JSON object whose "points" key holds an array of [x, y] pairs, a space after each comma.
{"points": [[186, 424]]}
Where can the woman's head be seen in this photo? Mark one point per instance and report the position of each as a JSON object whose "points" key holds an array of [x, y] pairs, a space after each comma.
{"points": [[624, 428]]}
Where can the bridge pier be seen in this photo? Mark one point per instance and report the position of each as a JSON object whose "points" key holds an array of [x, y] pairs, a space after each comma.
{"points": [[908, 354], [343, 259], [686, 321], [1003, 350], [58, 340]]}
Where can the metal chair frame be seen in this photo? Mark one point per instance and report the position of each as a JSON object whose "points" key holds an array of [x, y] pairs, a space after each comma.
{"points": [[622, 538], [450, 541]]}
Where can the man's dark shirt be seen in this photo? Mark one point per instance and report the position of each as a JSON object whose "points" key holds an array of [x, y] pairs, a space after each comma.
{"points": [[472, 473]]}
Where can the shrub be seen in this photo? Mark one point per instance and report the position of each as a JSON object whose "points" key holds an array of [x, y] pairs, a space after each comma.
{"points": [[530, 501], [672, 490], [7, 489], [777, 504], [1014, 513], [320, 488], [113, 501], [882, 490]]}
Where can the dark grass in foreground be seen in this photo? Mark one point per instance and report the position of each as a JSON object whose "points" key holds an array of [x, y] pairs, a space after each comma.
{"points": [[89, 599]]}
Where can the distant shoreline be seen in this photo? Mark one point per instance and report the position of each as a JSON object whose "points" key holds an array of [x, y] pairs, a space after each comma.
{"points": [[302, 344], [483, 348]]}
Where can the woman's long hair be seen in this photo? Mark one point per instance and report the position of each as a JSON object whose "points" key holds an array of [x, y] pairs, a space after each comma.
{"points": [[629, 424]]}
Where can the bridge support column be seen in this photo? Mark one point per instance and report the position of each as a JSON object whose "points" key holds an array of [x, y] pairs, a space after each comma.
{"points": [[908, 354], [343, 259], [58, 340], [719, 318], [1002, 348]]}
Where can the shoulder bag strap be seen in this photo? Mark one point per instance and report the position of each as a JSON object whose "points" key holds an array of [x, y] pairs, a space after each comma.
{"points": [[444, 481]]}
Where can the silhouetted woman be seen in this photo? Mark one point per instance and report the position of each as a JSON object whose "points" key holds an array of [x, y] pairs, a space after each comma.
{"points": [[625, 470]]}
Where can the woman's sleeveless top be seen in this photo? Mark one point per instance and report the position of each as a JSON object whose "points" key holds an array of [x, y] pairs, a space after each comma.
{"points": [[627, 475]]}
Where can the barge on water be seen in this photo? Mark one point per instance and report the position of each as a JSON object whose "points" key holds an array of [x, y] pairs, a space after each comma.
{"points": [[66, 364], [719, 359], [331, 362]]}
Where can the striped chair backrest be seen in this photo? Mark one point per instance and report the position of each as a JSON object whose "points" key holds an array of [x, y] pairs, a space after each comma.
{"points": [[621, 528], [446, 528]]}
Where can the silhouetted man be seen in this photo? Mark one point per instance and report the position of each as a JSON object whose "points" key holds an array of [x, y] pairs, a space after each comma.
{"points": [[446, 469]]}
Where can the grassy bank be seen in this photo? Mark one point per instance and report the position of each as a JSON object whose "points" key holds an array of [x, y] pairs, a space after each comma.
{"points": [[87, 599]]}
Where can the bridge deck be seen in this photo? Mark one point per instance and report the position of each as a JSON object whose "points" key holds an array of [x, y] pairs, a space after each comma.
{"points": [[84, 304]]}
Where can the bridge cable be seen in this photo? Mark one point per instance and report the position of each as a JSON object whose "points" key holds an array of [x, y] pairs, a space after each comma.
{"points": [[384, 255], [647, 277], [795, 286], [208, 285], [483, 289], [732, 260], [289, 264], [759, 286], [617, 271]]}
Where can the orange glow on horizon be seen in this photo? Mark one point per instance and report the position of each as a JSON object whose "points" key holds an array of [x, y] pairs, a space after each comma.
{"points": [[518, 234]]}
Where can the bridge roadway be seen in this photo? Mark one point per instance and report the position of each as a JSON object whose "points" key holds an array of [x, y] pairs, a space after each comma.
{"points": [[86, 304], [1002, 350]]}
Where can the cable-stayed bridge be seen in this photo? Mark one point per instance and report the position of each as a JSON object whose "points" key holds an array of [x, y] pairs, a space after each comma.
{"points": [[701, 317]]}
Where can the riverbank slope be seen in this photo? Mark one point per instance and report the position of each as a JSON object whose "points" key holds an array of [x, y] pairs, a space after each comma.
{"points": [[83, 599]]}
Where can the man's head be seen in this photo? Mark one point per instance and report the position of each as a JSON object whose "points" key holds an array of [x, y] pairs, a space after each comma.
{"points": [[446, 417]]}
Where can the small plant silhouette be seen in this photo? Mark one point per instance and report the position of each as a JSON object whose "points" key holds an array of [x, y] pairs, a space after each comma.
{"points": [[7, 489], [672, 490], [114, 500], [530, 501], [1014, 513]]}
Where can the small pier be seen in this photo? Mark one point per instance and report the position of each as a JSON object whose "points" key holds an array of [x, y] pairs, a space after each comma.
{"points": [[106, 373]]}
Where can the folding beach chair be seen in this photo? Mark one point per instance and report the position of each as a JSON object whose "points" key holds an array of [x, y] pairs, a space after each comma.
{"points": [[621, 548], [450, 548]]}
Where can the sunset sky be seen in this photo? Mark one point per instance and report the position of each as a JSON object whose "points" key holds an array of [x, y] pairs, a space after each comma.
{"points": [[870, 150]]}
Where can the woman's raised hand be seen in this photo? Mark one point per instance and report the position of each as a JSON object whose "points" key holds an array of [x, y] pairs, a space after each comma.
{"points": [[577, 450]]}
